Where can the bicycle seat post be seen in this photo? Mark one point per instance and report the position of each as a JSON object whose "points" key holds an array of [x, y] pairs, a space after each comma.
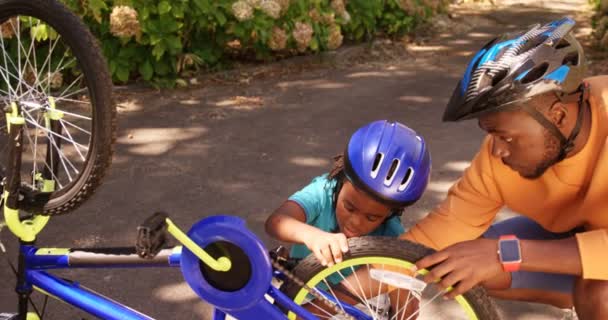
{"points": [[15, 124], [26, 230]]}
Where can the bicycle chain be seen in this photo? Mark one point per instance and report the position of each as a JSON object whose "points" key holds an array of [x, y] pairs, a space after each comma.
{"points": [[322, 298]]}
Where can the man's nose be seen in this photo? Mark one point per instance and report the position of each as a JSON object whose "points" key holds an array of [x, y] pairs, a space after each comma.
{"points": [[500, 149]]}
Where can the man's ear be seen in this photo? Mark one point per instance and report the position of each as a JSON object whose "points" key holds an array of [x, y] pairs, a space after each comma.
{"points": [[558, 113]]}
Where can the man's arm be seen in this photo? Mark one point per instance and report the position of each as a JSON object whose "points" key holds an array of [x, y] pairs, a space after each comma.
{"points": [[467, 212], [552, 256]]}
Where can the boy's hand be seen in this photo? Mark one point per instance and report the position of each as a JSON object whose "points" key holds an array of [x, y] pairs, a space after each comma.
{"points": [[327, 247]]}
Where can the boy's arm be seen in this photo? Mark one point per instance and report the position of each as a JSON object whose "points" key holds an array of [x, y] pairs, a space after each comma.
{"points": [[288, 223]]}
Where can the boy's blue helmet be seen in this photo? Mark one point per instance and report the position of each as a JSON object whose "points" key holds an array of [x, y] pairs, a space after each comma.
{"points": [[389, 161]]}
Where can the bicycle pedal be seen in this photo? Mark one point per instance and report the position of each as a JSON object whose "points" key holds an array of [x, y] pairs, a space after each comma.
{"points": [[151, 236]]}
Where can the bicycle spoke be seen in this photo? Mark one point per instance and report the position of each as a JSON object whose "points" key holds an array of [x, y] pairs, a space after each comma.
{"points": [[70, 86], [352, 269], [45, 164], [333, 295], [70, 136], [424, 305], [72, 100], [5, 57], [61, 154], [76, 144]]}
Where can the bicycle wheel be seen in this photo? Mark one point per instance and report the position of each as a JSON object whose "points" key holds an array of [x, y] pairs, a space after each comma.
{"points": [[372, 264], [52, 69]]}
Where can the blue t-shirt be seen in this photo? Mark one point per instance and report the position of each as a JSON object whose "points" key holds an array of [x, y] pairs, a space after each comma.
{"points": [[317, 201]]}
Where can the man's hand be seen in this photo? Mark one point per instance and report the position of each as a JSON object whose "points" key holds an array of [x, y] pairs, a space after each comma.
{"points": [[463, 265], [327, 247]]}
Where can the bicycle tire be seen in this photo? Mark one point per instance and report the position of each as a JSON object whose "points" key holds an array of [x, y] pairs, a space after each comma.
{"points": [[378, 249], [93, 74]]}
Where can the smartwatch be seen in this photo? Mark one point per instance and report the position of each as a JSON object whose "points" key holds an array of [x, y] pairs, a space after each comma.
{"points": [[509, 253]]}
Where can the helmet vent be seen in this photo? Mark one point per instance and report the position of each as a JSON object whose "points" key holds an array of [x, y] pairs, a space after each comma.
{"points": [[536, 73], [376, 164], [406, 180], [562, 44], [391, 172], [571, 58]]}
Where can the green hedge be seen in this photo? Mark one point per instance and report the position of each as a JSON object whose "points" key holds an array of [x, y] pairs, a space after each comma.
{"points": [[164, 41]]}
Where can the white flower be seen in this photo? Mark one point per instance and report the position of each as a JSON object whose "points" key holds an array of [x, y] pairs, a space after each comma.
{"points": [[334, 40], [278, 40], [303, 35], [284, 5], [271, 8], [338, 6], [242, 10], [254, 3], [8, 28], [123, 22]]}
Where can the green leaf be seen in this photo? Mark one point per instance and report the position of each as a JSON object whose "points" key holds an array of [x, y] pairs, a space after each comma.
{"points": [[164, 7], [127, 53], [203, 5], [159, 50], [220, 17], [178, 12], [314, 44], [155, 39], [174, 44], [168, 24], [162, 68], [122, 74], [144, 13], [96, 6], [181, 83], [146, 70], [112, 66], [39, 32]]}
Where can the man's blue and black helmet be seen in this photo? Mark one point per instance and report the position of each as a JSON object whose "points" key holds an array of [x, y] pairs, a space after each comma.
{"points": [[511, 69], [389, 161]]}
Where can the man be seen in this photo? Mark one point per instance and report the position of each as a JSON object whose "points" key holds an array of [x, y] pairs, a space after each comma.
{"points": [[545, 157]]}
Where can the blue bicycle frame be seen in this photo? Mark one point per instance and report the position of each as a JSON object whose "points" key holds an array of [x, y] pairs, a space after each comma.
{"points": [[37, 261]]}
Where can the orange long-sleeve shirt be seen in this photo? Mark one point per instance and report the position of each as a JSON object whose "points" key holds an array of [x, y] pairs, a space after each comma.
{"points": [[572, 193]]}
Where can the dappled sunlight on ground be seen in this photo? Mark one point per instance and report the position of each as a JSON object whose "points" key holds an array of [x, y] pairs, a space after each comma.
{"points": [[156, 141], [310, 162], [190, 102], [129, 105], [241, 102], [313, 84], [418, 99], [457, 166], [441, 187], [175, 292], [391, 72]]}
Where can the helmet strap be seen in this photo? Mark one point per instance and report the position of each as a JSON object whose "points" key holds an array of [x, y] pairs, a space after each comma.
{"points": [[566, 144]]}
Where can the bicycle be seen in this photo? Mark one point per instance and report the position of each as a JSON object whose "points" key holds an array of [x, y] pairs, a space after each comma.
{"points": [[220, 258]]}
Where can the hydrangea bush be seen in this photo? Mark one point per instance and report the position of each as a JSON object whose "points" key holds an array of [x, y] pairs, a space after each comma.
{"points": [[163, 41]]}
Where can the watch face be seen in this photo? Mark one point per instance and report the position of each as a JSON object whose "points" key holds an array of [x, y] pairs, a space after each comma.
{"points": [[509, 250]]}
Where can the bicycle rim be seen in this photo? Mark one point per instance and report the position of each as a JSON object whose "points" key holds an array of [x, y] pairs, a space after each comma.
{"points": [[55, 75]]}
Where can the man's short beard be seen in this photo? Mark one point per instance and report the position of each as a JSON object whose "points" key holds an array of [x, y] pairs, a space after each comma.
{"points": [[550, 155]]}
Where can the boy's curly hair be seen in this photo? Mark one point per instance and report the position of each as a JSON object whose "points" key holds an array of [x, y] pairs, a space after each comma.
{"points": [[337, 173]]}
